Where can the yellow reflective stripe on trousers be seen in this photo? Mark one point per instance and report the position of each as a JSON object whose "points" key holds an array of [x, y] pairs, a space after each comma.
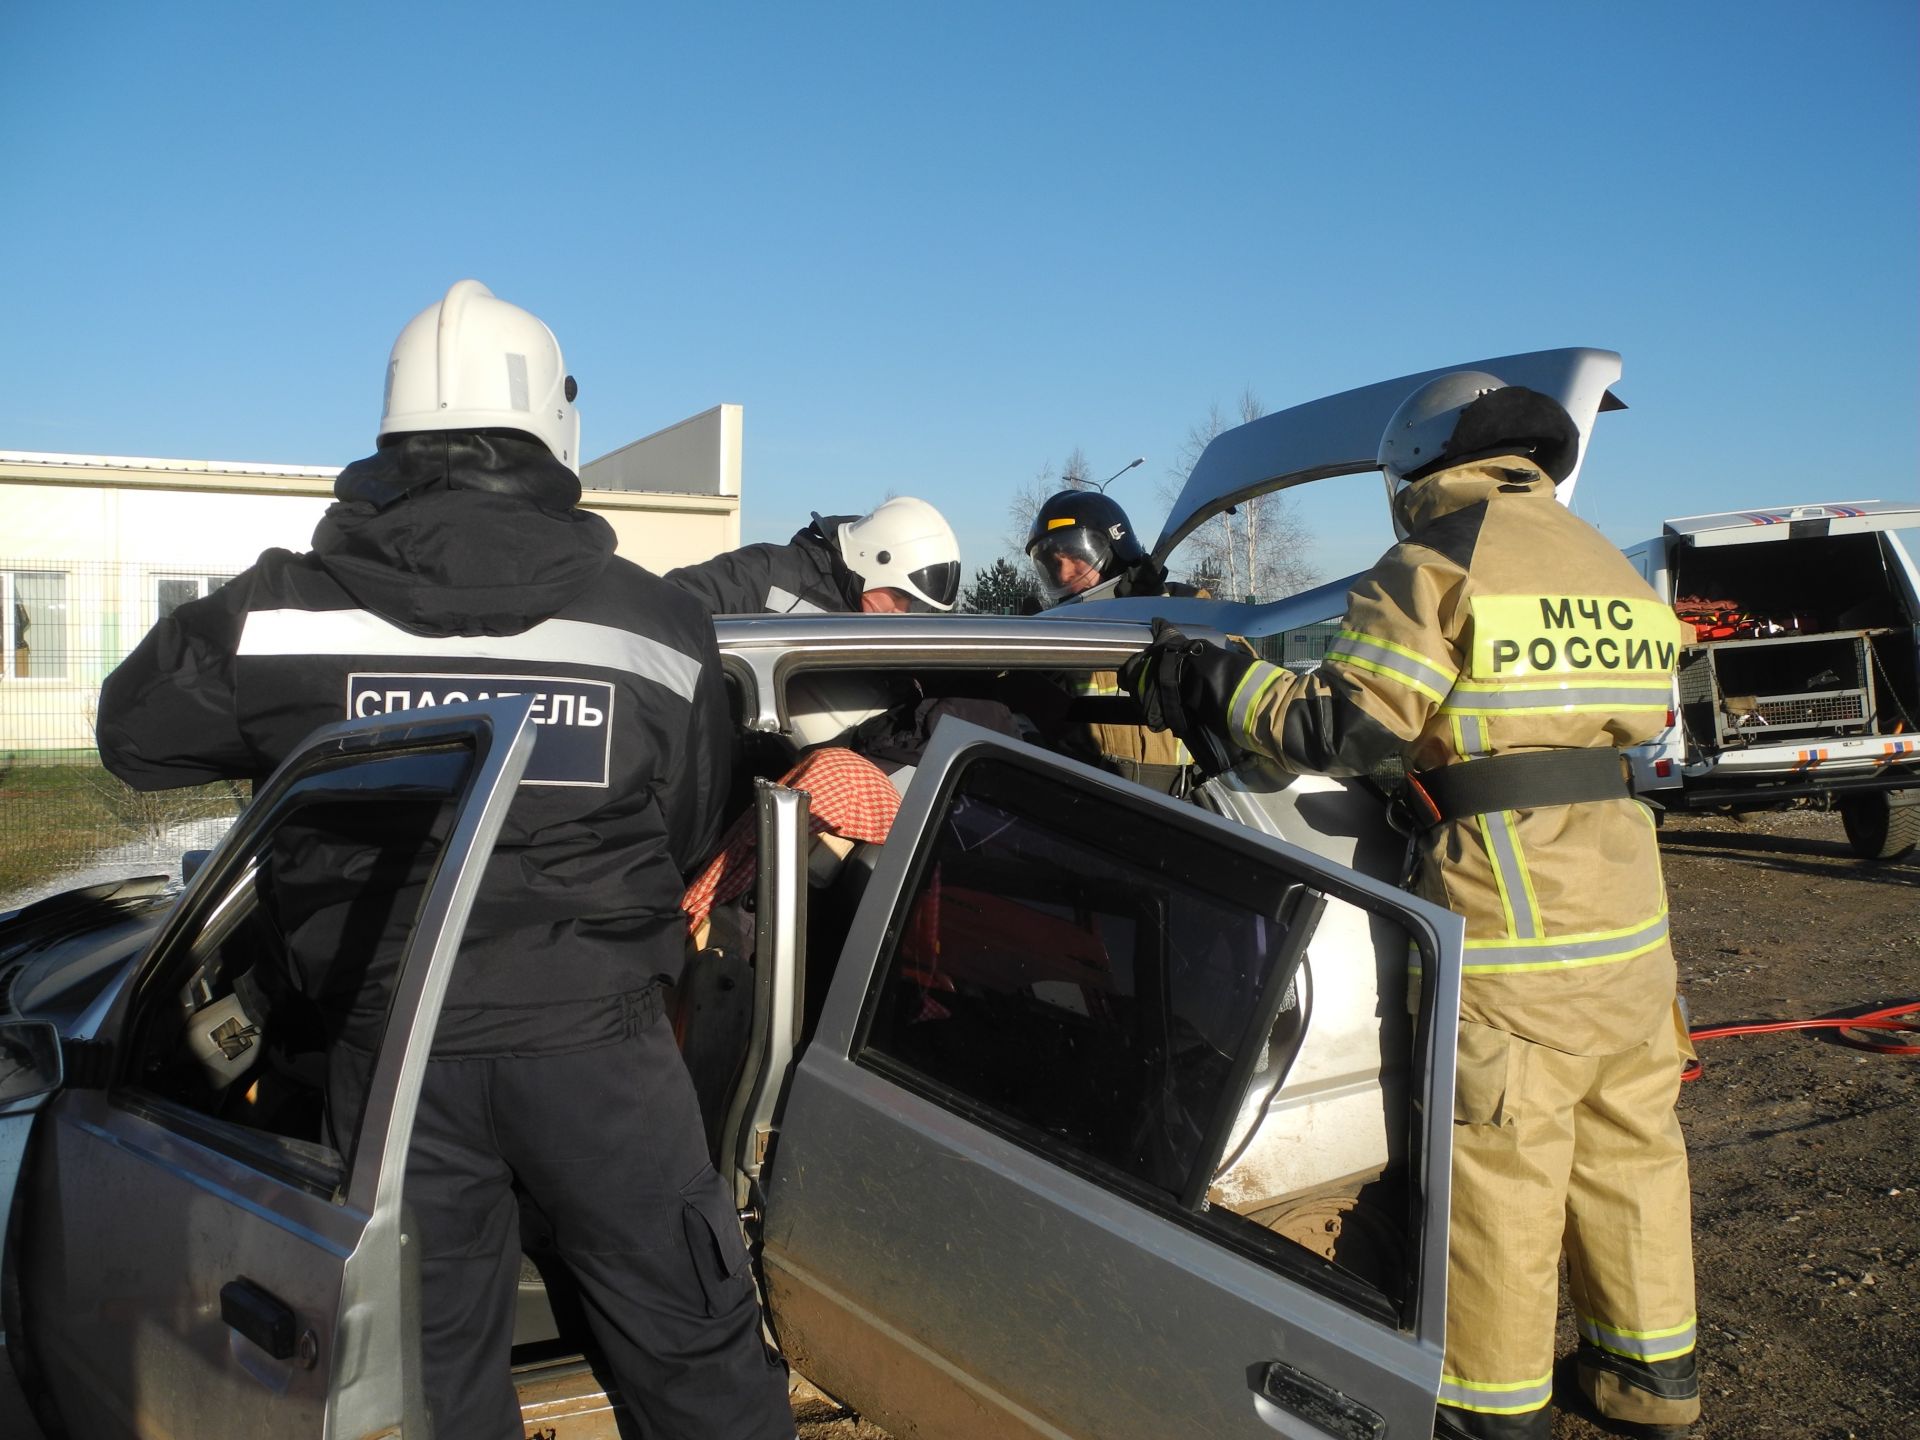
{"points": [[1247, 695], [1644, 1345], [1565, 952], [1396, 662], [1516, 1398]]}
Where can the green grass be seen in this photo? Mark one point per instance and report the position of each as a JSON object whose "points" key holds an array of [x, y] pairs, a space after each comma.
{"points": [[57, 817]]}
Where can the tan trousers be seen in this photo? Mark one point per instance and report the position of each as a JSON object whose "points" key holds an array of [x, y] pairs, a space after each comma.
{"points": [[1583, 1153]]}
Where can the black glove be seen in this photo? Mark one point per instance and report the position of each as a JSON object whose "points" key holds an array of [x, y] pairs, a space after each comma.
{"points": [[1186, 686], [1142, 578]]}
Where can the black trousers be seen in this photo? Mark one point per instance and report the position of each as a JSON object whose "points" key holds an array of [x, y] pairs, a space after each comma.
{"points": [[608, 1143]]}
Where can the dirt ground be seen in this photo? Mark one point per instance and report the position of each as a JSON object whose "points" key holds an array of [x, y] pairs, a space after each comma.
{"points": [[1806, 1169]]}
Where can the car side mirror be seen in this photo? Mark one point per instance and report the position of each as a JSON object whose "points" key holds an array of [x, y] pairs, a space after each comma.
{"points": [[190, 863], [30, 1063]]}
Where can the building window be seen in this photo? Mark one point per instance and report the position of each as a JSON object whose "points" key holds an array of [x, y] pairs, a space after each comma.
{"points": [[33, 624], [170, 592]]}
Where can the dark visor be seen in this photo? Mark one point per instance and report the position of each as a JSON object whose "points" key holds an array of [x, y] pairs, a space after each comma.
{"points": [[940, 583]]}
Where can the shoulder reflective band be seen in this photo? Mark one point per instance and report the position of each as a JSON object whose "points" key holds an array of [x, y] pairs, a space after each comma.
{"points": [[1579, 637], [1396, 662], [563, 642]]}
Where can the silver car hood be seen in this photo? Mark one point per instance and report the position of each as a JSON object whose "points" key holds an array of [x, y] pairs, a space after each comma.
{"points": [[1340, 435]]}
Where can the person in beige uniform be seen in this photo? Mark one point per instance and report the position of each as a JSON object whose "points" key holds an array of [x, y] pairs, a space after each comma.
{"points": [[1506, 651]]}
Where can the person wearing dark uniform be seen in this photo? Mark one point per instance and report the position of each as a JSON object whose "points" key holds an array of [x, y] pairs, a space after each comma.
{"points": [[1507, 652], [1084, 548], [900, 557], [455, 563]]}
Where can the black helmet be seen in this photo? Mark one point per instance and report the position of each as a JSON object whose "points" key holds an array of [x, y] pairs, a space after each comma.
{"points": [[1081, 525]]}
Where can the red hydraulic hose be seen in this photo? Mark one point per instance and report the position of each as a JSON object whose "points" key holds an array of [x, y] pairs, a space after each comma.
{"points": [[1903, 1017]]}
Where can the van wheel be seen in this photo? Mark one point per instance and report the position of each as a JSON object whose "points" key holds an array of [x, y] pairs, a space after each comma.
{"points": [[1881, 826]]}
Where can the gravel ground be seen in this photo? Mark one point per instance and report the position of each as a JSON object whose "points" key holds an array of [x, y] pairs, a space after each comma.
{"points": [[1806, 1176]]}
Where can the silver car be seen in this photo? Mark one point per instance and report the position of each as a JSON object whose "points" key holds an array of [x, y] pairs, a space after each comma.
{"points": [[1072, 1109]]}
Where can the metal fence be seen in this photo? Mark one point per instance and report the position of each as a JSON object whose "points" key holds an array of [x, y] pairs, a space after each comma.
{"points": [[64, 624]]}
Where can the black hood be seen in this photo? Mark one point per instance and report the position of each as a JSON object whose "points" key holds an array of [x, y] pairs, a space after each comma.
{"points": [[822, 538], [470, 532]]}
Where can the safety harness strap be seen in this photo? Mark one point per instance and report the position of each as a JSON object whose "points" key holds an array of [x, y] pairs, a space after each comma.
{"points": [[1525, 781]]}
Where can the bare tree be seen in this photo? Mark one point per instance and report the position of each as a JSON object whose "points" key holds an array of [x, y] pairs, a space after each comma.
{"points": [[1263, 548]]}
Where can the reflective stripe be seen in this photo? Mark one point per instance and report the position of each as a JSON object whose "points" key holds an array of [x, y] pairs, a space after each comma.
{"points": [[785, 602], [1383, 657], [1644, 1345], [1510, 874], [1516, 1398], [1087, 687], [1247, 695], [1565, 952], [1471, 697], [1470, 736], [561, 642]]}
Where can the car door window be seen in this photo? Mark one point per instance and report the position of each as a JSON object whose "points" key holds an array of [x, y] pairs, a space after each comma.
{"points": [[1061, 973], [256, 1029]]}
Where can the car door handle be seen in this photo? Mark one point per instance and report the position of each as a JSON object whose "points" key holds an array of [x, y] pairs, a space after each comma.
{"points": [[259, 1316], [1279, 1387]]}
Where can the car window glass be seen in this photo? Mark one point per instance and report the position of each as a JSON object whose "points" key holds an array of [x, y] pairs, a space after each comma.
{"points": [[265, 1014], [1071, 972]]}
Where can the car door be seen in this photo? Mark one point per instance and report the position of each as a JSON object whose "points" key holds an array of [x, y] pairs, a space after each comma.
{"points": [[990, 1205], [214, 1242]]}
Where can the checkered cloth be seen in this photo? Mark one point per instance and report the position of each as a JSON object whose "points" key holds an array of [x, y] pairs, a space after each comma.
{"points": [[849, 796]]}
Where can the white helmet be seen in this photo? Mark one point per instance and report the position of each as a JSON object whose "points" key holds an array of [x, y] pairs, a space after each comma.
{"points": [[1416, 437], [1470, 415], [471, 362], [905, 545]]}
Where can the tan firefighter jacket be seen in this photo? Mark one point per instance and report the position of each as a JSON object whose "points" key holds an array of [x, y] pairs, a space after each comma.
{"points": [[1504, 623]]}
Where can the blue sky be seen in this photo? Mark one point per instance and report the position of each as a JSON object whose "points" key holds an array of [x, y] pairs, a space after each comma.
{"points": [[933, 249]]}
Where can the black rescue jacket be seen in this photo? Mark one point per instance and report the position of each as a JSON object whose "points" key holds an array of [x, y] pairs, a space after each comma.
{"points": [[455, 565], [804, 576]]}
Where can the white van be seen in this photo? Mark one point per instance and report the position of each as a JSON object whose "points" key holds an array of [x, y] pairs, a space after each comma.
{"points": [[1802, 681]]}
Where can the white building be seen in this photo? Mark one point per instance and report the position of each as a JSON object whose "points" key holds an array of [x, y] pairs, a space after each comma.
{"points": [[95, 548]]}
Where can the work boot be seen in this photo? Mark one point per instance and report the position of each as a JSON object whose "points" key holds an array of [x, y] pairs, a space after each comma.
{"points": [[1649, 1400], [1452, 1423]]}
